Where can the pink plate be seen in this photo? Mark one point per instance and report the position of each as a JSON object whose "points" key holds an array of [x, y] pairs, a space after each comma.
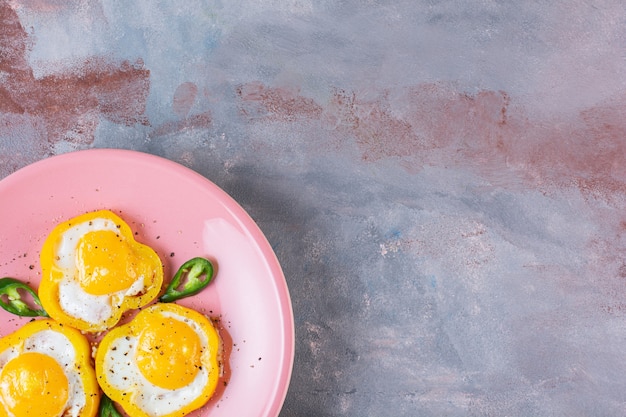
{"points": [[181, 215]]}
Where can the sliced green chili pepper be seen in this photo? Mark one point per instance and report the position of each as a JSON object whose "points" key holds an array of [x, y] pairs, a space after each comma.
{"points": [[107, 408], [13, 303], [193, 270]]}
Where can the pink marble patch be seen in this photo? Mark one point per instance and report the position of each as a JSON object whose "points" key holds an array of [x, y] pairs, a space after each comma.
{"points": [[70, 103]]}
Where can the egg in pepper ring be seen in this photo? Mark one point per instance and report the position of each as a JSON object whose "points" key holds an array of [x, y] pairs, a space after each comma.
{"points": [[93, 270], [46, 371], [165, 362]]}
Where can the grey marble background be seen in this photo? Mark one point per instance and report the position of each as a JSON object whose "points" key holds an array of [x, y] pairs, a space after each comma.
{"points": [[443, 182]]}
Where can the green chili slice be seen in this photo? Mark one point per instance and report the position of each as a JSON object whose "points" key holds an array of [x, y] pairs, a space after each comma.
{"points": [[107, 408], [11, 298], [191, 278]]}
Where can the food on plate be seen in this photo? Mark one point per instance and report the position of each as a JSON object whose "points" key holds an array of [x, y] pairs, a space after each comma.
{"points": [[165, 362], [46, 371], [11, 291], [192, 277], [93, 270]]}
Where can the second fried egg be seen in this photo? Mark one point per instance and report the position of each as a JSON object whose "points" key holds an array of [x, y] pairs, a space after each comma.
{"points": [[166, 362]]}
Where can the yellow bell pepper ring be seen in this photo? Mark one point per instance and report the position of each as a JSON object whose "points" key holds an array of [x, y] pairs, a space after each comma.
{"points": [[93, 271], [165, 362], [47, 371]]}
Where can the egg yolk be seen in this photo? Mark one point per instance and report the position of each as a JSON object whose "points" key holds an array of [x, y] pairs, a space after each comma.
{"points": [[34, 384], [169, 353], [106, 263]]}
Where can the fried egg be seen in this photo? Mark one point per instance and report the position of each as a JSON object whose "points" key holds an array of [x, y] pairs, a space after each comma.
{"points": [[163, 363], [93, 270], [46, 371]]}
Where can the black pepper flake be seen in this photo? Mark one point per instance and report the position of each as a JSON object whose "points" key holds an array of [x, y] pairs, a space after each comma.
{"points": [[172, 255]]}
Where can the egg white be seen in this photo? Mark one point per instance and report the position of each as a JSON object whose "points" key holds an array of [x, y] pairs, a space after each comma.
{"points": [[60, 348], [124, 375], [75, 301]]}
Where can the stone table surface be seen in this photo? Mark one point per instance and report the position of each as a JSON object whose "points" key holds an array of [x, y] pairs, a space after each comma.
{"points": [[443, 182]]}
